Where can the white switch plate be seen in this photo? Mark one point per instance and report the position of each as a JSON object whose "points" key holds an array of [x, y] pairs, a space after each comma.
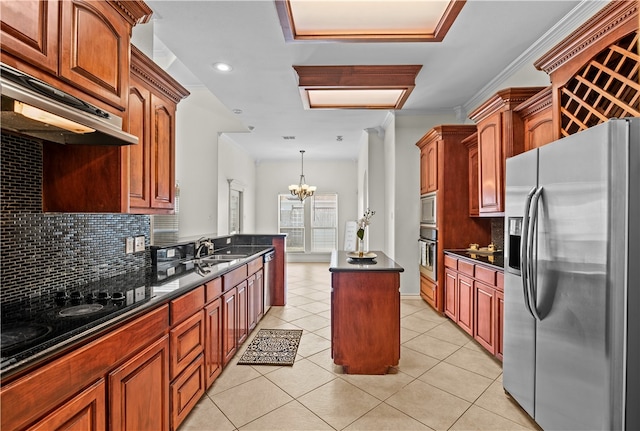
{"points": [[228, 240], [129, 245], [139, 244]]}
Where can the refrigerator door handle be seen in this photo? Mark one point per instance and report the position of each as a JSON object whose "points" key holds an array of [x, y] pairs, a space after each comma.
{"points": [[531, 269], [523, 251]]}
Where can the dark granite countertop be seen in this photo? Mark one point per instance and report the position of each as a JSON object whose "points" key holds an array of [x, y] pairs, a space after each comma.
{"points": [[341, 262], [494, 261], [160, 285]]}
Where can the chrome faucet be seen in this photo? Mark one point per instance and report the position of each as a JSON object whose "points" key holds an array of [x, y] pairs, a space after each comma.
{"points": [[201, 244]]}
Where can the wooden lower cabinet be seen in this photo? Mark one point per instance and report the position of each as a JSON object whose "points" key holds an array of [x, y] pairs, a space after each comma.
{"points": [[242, 313], [465, 303], [213, 340], [85, 411], [451, 294], [428, 290], [147, 374], [186, 391], [139, 390], [255, 288], [484, 316], [187, 342], [229, 319], [365, 321], [474, 299]]}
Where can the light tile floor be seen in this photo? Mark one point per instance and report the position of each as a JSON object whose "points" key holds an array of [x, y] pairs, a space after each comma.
{"points": [[444, 380]]}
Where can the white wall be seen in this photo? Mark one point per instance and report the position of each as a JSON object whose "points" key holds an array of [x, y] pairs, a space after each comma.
{"points": [[274, 177], [408, 130], [234, 163], [197, 129]]}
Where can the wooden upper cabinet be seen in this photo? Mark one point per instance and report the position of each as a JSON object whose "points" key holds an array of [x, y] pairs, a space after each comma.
{"points": [[432, 166], [537, 119], [153, 97], [472, 145], [594, 70], [78, 46], [29, 31], [428, 165], [163, 142], [500, 135], [94, 50], [490, 156], [139, 124]]}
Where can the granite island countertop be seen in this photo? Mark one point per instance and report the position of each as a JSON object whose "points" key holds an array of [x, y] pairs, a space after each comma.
{"points": [[340, 262]]}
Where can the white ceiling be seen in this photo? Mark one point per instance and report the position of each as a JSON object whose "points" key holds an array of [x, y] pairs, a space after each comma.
{"points": [[486, 39]]}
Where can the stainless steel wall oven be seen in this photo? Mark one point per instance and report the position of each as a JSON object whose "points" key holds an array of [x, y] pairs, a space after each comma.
{"points": [[428, 251]]}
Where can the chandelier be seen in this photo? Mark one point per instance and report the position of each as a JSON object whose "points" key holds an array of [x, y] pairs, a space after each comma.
{"points": [[302, 190]]}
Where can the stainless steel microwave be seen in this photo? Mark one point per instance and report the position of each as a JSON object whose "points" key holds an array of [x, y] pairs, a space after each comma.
{"points": [[428, 209]]}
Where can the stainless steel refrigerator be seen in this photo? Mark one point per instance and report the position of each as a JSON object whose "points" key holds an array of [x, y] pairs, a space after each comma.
{"points": [[572, 279]]}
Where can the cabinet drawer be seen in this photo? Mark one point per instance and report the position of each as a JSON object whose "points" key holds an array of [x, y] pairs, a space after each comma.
{"points": [[235, 277], [465, 267], [255, 265], [213, 289], [186, 390], [428, 290], [500, 281], [186, 305], [486, 275], [186, 343], [450, 262]]}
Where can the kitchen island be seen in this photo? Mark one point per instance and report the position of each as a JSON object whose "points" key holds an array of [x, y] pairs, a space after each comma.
{"points": [[365, 313]]}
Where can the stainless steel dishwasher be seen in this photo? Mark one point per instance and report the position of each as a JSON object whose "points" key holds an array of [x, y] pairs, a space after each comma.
{"points": [[269, 279]]}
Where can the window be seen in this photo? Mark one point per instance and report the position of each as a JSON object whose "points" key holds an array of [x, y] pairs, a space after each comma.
{"points": [[324, 222], [236, 191], [291, 221], [313, 222]]}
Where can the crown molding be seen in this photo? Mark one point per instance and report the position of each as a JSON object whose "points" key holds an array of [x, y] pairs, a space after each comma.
{"points": [[574, 19]]}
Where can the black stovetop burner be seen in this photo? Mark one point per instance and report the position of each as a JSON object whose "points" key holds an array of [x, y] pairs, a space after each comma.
{"points": [[38, 323]]}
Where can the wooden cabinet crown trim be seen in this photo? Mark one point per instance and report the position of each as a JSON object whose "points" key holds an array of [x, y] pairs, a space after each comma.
{"points": [[608, 20], [446, 130], [148, 70], [134, 11], [507, 99], [535, 103]]}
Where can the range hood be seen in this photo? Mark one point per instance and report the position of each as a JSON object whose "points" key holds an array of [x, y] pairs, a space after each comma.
{"points": [[33, 108]]}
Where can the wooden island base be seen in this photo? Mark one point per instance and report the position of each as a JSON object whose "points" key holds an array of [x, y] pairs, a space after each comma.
{"points": [[365, 314]]}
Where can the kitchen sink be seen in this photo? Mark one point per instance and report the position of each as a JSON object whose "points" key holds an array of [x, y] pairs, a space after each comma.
{"points": [[225, 256]]}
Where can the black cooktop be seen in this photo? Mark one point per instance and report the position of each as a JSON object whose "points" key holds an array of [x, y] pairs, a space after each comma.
{"points": [[35, 324]]}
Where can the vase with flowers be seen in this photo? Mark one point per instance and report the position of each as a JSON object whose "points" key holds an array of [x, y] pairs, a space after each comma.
{"points": [[363, 222]]}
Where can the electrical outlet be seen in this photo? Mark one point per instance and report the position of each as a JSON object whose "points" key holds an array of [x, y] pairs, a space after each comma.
{"points": [[128, 248], [139, 244], [228, 240], [139, 293]]}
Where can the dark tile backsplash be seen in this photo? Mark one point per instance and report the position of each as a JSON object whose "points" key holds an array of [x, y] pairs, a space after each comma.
{"points": [[497, 232], [42, 252]]}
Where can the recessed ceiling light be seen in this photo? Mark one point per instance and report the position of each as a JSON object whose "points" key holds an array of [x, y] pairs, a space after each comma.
{"points": [[237, 111], [222, 67], [288, 138]]}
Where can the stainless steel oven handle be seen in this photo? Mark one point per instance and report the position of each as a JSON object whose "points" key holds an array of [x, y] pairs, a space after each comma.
{"points": [[523, 250]]}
